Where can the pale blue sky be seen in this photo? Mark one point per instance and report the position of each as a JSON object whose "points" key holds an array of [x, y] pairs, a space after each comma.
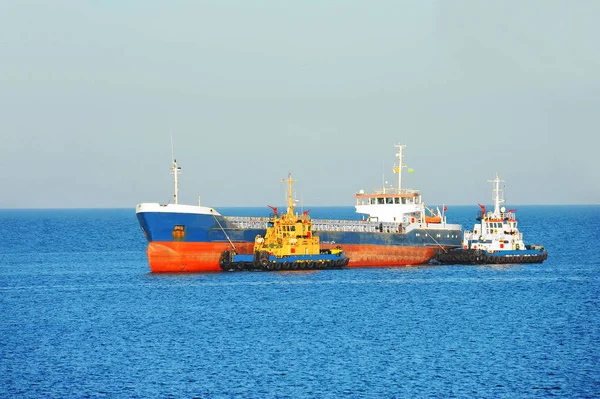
{"points": [[253, 90]]}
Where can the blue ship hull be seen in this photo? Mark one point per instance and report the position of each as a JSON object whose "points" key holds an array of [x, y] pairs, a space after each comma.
{"points": [[159, 227]]}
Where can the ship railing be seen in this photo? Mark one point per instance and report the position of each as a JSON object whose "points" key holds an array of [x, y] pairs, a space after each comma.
{"points": [[391, 190], [354, 225], [247, 222], [509, 216], [502, 215]]}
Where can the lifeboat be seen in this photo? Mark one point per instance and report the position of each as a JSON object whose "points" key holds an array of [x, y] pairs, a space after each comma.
{"points": [[433, 219]]}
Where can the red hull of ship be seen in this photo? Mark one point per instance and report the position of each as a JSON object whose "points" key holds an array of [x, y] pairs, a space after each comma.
{"points": [[191, 257], [388, 256]]}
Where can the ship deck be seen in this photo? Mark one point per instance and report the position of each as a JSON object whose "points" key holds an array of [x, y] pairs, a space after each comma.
{"points": [[246, 222]]}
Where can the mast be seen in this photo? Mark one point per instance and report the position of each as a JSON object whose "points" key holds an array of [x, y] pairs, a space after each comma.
{"points": [[400, 166], [290, 200], [496, 196], [176, 170]]}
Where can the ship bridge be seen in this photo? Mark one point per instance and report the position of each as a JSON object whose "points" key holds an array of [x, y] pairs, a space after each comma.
{"points": [[390, 205]]}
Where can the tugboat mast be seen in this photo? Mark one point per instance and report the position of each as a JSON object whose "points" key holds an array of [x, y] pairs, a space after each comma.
{"points": [[290, 199], [496, 198]]}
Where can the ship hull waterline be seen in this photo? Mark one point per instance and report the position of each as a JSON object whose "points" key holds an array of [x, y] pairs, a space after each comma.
{"points": [[195, 257]]}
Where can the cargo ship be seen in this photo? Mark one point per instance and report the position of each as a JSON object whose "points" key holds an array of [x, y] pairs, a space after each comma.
{"points": [[397, 229], [495, 238]]}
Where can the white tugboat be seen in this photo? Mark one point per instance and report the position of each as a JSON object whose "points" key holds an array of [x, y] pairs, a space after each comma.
{"points": [[494, 239]]}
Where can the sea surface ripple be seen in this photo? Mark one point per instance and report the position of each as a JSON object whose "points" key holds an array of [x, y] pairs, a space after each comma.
{"points": [[82, 317]]}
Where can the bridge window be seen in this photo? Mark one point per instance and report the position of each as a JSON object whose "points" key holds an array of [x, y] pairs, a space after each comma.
{"points": [[380, 201], [396, 200], [373, 201], [389, 200]]}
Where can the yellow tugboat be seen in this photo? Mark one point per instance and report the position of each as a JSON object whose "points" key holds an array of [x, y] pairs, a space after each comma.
{"points": [[288, 244]]}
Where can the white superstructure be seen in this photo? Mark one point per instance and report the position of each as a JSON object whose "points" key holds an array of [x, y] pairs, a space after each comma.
{"points": [[396, 204], [497, 230]]}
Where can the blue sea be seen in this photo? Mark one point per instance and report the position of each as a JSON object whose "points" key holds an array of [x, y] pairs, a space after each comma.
{"points": [[83, 317]]}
